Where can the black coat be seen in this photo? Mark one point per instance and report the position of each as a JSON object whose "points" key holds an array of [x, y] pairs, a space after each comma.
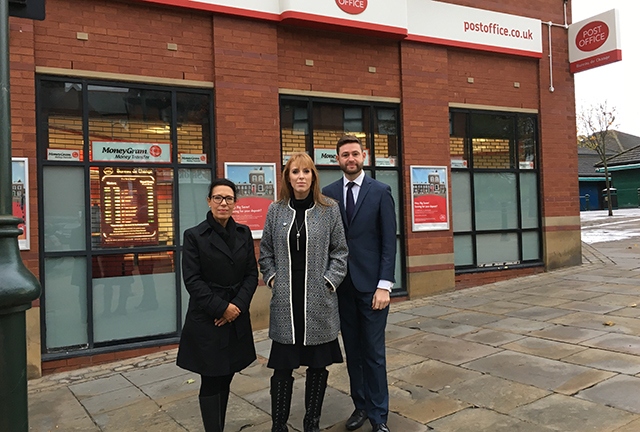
{"points": [[214, 276]]}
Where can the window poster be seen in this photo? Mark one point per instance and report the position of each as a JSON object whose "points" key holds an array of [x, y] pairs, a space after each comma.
{"points": [[129, 207], [20, 198], [429, 198], [256, 189]]}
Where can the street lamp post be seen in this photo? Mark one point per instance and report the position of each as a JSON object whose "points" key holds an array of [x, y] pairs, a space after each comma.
{"points": [[18, 286]]}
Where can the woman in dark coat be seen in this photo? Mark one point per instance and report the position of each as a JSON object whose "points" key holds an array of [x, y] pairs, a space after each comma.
{"points": [[220, 273]]}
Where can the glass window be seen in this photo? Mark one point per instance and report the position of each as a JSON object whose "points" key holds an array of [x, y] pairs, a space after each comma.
{"points": [[294, 128], [331, 122], [110, 219], [497, 249], [375, 124], [386, 137], [529, 199], [193, 187], [129, 125], [194, 128], [491, 141], [64, 224], [527, 142], [495, 200], [61, 120], [463, 250], [530, 246], [461, 204], [134, 295], [65, 279]]}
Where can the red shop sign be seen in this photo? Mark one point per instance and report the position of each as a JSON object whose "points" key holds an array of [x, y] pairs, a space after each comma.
{"points": [[353, 7], [592, 36]]}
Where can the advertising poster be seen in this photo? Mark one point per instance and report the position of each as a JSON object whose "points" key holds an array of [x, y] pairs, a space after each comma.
{"points": [[429, 198], [256, 188], [20, 198]]}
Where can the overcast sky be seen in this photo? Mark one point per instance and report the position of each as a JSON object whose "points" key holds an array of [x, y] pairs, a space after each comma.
{"points": [[617, 83]]}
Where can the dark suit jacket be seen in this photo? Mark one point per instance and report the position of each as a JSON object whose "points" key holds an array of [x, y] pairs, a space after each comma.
{"points": [[214, 275], [371, 235]]}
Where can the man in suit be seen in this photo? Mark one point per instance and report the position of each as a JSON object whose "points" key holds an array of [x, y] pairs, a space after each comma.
{"points": [[368, 214]]}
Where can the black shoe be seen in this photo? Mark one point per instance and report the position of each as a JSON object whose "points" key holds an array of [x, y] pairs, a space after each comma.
{"points": [[382, 427], [356, 420]]}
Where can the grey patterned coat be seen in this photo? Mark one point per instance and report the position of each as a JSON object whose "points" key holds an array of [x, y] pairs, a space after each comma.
{"points": [[326, 267]]}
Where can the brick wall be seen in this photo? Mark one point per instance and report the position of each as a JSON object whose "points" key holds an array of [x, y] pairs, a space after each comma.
{"points": [[127, 38], [425, 130]]}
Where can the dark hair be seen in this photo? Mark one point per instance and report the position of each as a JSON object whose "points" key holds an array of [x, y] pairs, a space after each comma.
{"points": [[222, 182], [347, 139]]}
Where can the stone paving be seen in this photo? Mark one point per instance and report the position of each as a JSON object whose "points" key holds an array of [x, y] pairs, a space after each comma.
{"points": [[558, 351]]}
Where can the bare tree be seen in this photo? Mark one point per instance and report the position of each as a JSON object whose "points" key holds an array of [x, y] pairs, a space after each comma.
{"points": [[595, 123]]}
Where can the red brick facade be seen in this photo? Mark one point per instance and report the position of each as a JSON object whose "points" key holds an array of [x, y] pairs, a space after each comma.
{"points": [[250, 61]]}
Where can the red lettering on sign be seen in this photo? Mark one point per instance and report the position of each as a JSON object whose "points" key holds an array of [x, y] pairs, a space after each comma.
{"points": [[353, 7], [592, 36]]}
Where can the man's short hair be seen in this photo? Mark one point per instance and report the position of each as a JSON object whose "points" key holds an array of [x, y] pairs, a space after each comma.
{"points": [[347, 139]]}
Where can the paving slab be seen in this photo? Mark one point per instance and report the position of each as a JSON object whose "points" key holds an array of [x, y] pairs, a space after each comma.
{"points": [[494, 393], [431, 310], [398, 317], [568, 334], [394, 332], [441, 326], [619, 392], [543, 348], [568, 414], [540, 300], [624, 325], [433, 375], [539, 372], [472, 318], [420, 404], [538, 313], [480, 419], [57, 410], [606, 360], [582, 306], [142, 415], [141, 377], [448, 350], [499, 307], [491, 337], [517, 325], [616, 342]]}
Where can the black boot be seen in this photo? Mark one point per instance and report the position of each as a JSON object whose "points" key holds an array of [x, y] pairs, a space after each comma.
{"points": [[315, 386], [280, 403], [210, 409]]}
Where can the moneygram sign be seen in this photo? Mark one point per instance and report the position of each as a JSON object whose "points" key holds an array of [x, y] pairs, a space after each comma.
{"points": [[107, 151], [594, 42]]}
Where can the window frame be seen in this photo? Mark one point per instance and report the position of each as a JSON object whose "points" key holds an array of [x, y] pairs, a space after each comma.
{"points": [[516, 170], [91, 347], [372, 169]]}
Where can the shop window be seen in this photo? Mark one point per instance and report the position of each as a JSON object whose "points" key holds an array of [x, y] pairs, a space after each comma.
{"points": [[376, 125], [494, 184], [124, 166]]}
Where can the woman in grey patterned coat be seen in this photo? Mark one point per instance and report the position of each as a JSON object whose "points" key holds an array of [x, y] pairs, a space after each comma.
{"points": [[303, 259]]}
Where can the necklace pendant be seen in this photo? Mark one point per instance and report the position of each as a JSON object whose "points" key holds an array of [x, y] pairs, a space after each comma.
{"points": [[298, 241]]}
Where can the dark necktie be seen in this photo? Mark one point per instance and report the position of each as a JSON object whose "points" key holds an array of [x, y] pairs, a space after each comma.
{"points": [[351, 204]]}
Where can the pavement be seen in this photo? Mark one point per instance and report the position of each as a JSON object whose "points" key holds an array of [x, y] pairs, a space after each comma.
{"points": [[557, 351]]}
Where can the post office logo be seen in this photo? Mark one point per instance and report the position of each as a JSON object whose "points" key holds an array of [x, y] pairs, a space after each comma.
{"points": [[592, 36], [353, 7]]}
